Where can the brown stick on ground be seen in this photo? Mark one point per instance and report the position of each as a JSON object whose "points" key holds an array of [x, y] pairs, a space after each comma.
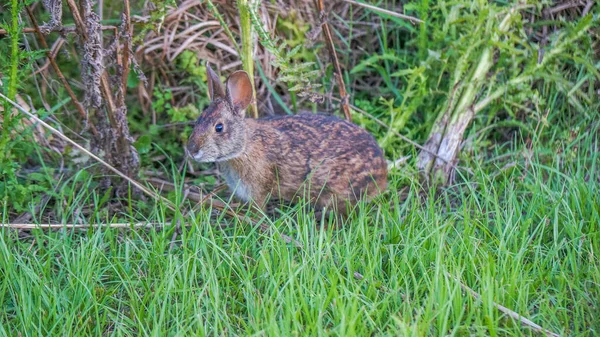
{"points": [[60, 75], [336, 64]]}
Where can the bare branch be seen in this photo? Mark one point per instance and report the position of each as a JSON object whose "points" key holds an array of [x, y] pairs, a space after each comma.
{"points": [[80, 226], [336, 64]]}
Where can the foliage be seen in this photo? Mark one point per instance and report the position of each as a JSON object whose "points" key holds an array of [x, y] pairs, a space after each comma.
{"points": [[16, 190], [480, 56], [168, 139], [298, 76], [157, 12], [519, 226], [528, 244]]}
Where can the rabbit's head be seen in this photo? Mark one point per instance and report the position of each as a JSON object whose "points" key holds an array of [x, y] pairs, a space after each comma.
{"points": [[220, 131]]}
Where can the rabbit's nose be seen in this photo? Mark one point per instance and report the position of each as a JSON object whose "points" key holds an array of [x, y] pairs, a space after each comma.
{"points": [[190, 150]]}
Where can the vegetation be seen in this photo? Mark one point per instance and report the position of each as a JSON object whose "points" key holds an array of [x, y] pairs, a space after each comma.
{"points": [[487, 111]]}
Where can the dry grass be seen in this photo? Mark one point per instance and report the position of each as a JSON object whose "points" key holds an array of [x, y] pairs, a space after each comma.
{"points": [[191, 26]]}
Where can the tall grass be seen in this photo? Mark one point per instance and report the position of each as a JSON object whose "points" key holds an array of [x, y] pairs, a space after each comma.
{"points": [[528, 244]]}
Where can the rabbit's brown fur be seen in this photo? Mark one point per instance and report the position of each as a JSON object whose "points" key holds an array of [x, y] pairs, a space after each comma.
{"points": [[329, 160]]}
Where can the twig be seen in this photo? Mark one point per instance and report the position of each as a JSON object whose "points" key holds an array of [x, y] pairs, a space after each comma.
{"points": [[128, 32], [53, 51], [79, 26], [514, 315], [158, 197], [175, 233], [334, 59], [413, 20], [562, 7], [61, 30], [80, 226], [60, 75], [587, 8]]}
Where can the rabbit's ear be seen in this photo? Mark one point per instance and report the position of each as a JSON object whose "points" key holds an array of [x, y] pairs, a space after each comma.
{"points": [[239, 90], [215, 89]]}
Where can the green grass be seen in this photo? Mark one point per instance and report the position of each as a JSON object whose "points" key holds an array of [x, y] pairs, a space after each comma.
{"points": [[527, 241]]}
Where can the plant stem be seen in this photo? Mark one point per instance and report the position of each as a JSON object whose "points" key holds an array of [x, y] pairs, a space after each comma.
{"points": [[247, 47], [14, 50], [447, 134], [12, 84]]}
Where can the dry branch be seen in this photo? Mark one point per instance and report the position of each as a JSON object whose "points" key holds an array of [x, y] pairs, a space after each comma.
{"points": [[124, 155], [336, 64], [448, 130], [127, 49]]}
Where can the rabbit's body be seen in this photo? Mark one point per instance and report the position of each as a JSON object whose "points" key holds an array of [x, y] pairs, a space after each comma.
{"points": [[319, 157], [325, 159]]}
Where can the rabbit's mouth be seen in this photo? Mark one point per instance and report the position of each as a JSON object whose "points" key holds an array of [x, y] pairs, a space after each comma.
{"points": [[198, 156]]}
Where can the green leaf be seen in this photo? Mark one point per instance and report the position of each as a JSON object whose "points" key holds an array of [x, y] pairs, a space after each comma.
{"points": [[143, 144]]}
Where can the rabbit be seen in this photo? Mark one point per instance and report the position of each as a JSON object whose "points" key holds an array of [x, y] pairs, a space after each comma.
{"points": [[331, 161]]}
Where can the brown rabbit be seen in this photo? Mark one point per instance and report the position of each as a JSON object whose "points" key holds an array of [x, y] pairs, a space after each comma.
{"points": [[327, 159]]}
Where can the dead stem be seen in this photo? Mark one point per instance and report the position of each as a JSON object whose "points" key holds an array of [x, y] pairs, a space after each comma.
{"points": [[80, 226], [336, 64], [127, 47], [123, 146]]}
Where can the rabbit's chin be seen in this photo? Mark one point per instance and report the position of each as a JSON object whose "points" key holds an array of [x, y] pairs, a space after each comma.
{"points": [[228, 157], [203, 157]]}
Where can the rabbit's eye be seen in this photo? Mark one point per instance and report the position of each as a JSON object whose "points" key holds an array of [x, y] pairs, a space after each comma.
{"points": [[219, 127]]}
